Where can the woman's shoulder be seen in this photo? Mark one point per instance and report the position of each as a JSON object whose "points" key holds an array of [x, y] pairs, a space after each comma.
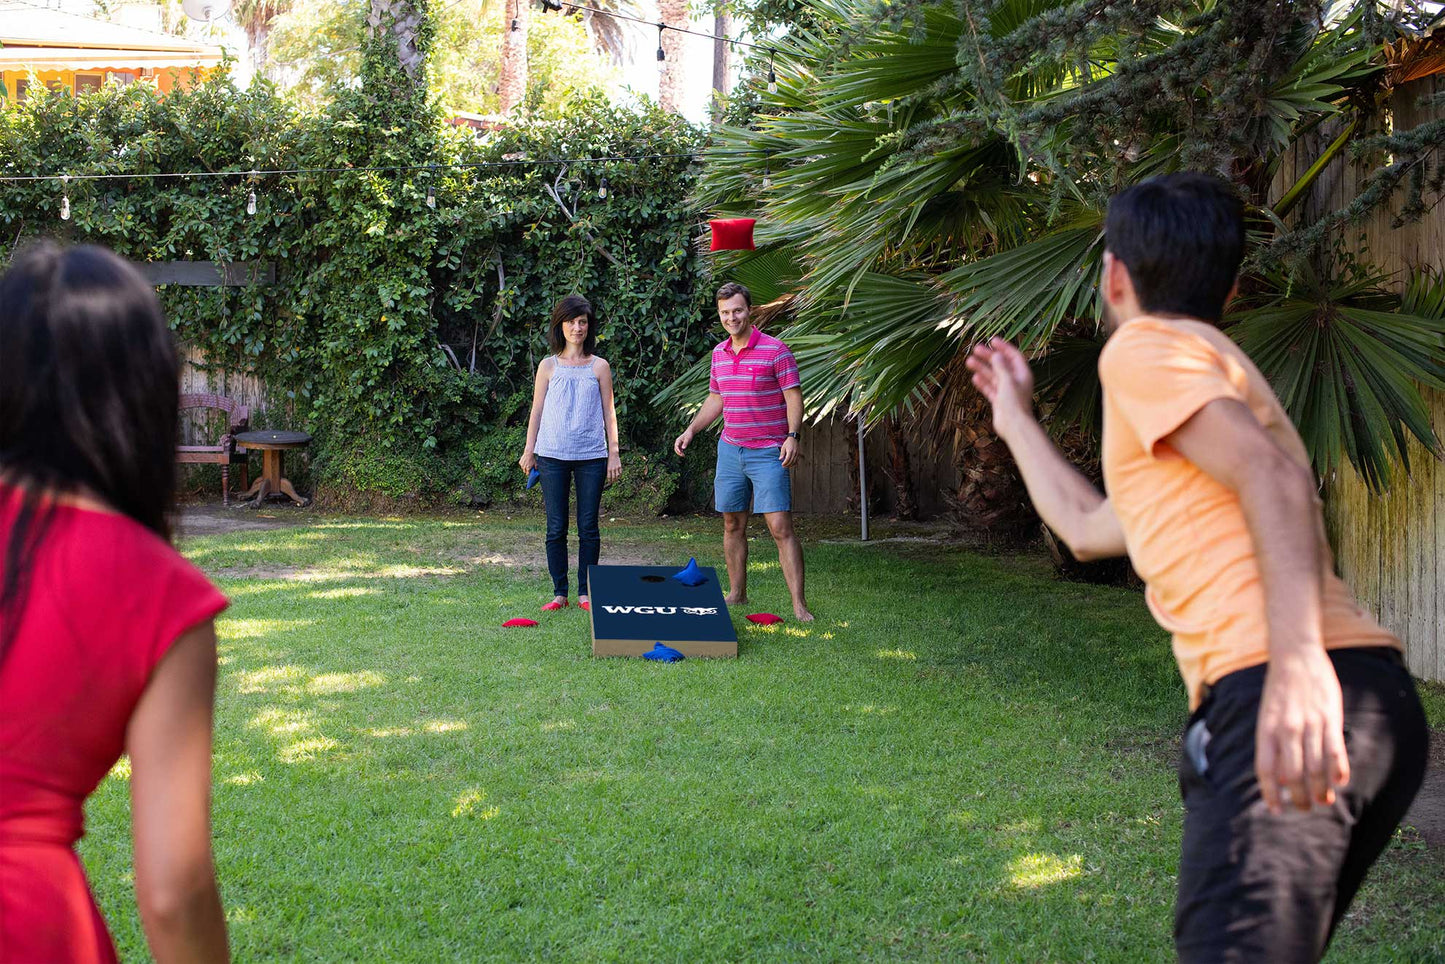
{"points": [[600, 363]]}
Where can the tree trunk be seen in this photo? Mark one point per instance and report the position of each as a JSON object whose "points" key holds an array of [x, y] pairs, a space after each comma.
{"points": [[853, 478], [901, 472], [403, 22], [722, 25], [991, 497], [670, 79], [512, 84]]}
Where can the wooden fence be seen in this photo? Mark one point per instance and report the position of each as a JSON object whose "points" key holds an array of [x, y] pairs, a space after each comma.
{"points": [[1391, 549]]}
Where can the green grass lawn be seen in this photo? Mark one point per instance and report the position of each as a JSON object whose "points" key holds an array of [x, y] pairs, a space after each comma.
{"points": [[963, 758]]}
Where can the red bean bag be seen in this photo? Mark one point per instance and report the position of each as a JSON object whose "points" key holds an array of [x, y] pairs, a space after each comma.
{"points": [[764, 619], [514, 623], [732, 234]]}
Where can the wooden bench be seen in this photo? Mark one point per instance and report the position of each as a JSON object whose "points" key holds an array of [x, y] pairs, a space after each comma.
{"points": [[224, 453]]}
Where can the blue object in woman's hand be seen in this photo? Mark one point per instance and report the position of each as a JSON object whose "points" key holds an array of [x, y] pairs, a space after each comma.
{"points": [[533, 477]]}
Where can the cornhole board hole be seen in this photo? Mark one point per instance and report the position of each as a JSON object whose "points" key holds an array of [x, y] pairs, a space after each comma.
{"points": [[636, 607]]}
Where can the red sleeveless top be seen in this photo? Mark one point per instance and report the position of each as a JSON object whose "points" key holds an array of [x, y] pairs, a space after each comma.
{"points": [[106, 599]]}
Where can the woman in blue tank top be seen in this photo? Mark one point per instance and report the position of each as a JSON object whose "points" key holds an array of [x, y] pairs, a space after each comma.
{"points": [[572, 437]]}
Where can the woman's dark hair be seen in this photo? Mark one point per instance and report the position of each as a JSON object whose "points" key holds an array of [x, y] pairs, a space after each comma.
{"points": [[1182, 238], [89, 389], [568, 308]]}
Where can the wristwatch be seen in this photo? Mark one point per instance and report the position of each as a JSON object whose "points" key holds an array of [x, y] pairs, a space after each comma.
{"points": [[794, 435]]}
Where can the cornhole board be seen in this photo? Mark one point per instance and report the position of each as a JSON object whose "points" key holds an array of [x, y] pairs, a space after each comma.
{"points": [[636, 607]]}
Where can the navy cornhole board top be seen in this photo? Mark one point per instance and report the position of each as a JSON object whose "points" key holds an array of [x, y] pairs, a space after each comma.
{"points": [[636, 607]]}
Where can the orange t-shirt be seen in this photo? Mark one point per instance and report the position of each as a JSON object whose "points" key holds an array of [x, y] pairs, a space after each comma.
{"points": [[1185, 532]]}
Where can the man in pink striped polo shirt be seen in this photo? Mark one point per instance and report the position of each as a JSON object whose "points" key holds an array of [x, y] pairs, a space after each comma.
{"points": [[756, 389]]}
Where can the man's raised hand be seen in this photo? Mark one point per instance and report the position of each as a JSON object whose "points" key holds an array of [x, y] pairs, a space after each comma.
{"points": [[1001, 372]]}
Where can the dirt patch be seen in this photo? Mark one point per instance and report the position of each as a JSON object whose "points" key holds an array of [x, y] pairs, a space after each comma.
{"points": [[212, 520], [1427, 814]]}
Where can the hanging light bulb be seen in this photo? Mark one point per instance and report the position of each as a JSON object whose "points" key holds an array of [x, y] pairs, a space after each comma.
{"points": [[514, 23], [767, 178], [602, 190], [431, 197], [251, 203], [65, 197], [772, 75], [660, 54]]}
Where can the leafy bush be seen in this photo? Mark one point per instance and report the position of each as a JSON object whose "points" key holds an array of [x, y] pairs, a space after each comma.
{"points": [[395, 331]]}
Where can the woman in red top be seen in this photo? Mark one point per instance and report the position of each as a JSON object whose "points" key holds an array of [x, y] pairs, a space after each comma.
{"points": [[107, 640]]}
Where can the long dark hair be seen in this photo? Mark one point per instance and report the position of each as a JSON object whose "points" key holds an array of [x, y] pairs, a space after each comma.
{"points": [[568, 308], [89, 390]]}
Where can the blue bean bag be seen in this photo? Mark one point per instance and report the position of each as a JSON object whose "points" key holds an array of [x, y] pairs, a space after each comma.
{"points": [[690, 574], [664, 654]]}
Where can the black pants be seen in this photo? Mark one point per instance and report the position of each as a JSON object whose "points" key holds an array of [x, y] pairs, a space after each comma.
{"points": [[557, 478], [1258, 887]]}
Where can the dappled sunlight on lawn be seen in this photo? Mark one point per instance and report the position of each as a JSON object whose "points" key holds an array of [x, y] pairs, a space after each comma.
{"points": [[344, 682], [871, 709], [344, 592], [557, 725], [902, 655], [302, 751], [428, 726], [245, 779], [1041, 870], [121, 770], [279, 722], [261, 680], [257, 628], [469, 803]]}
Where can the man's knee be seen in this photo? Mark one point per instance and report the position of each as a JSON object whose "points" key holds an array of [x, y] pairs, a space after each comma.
{"points": [[735, 523], [780, 524]]}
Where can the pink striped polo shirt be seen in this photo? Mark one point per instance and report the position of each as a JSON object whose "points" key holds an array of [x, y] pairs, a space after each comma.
{"points": [[751, 383]]}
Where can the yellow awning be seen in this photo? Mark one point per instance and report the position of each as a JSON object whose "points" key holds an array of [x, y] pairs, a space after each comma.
{"points": [[80, 58]]}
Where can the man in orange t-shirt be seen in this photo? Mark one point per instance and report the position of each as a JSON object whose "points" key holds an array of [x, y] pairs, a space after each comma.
{"points": [[1306, 741]]}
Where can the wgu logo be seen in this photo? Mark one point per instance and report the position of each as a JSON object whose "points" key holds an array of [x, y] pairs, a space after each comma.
{"points": [[657, 610]]}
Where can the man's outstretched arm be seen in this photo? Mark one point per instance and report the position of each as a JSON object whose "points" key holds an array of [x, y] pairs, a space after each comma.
{"points": [[1062, 496], [1299, 743]]}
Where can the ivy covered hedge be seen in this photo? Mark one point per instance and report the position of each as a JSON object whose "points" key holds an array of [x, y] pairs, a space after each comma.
{"points": [[403, 335]]}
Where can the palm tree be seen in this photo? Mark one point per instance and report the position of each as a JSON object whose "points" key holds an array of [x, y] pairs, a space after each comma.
{"points": [[254, 18], [512, 85], [402, 21], [670, 76], [941, 177]]}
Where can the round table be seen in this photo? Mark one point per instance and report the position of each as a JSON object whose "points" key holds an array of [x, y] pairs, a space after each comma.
{"points": [[271, 482]]}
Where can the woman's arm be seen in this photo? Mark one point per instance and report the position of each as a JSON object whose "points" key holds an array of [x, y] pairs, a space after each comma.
{"points": [[528, 461], [169, 742], [609, 416]]}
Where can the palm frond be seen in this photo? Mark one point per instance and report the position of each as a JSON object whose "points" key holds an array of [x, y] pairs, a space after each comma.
{"points": [[1347, 360]]}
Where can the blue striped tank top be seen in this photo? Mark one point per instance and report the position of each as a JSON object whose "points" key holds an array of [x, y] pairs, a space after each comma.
{"points": [[572, 425]]}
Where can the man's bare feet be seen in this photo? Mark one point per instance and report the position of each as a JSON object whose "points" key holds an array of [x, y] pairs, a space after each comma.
{"points": [[801, 614], [732, 600]]}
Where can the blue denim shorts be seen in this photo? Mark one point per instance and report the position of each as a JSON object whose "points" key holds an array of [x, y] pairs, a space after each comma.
{"points": [[751, 477]]}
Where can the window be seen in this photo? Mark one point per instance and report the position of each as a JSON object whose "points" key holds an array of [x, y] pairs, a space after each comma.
{"points": [[22, 88], [123, 77], [85, 83]]}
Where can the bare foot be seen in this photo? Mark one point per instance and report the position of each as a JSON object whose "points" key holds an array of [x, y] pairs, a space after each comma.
{"points": [[801, 613], [732, 600]]}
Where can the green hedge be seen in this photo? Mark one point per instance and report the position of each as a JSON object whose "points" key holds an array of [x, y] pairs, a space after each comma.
{"points": [[371, 281]]}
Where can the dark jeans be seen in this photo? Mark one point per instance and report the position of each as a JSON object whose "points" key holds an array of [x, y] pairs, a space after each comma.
{"points": [[1259, 887], [557, 478]]}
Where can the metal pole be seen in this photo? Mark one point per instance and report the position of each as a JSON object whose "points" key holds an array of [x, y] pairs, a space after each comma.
{"points": [[862, 478]]}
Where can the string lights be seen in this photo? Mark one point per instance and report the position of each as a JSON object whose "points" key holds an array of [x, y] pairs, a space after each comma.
{"points": [[661, 54], [604, 187]]}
